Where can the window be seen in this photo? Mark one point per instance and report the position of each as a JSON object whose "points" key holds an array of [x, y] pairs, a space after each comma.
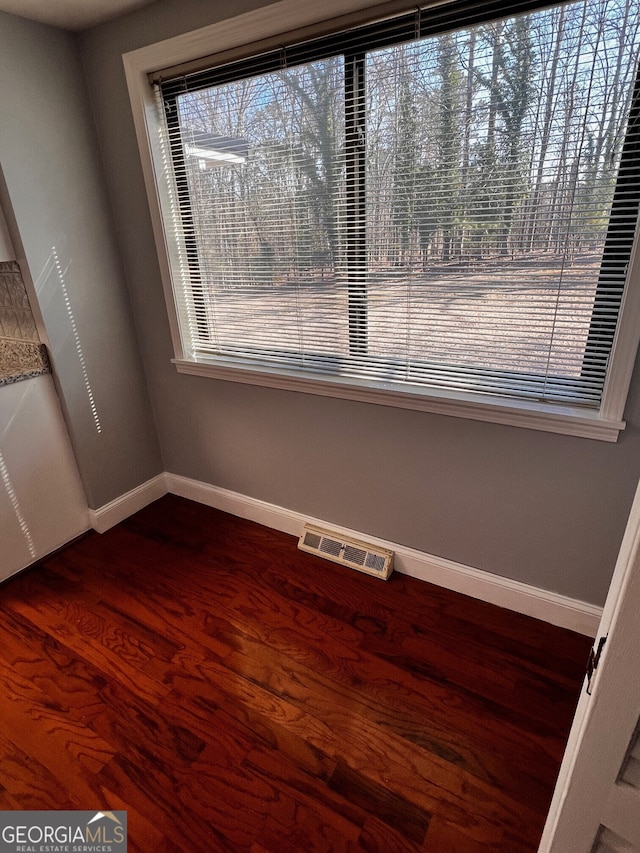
{"points": [[440, 206]]}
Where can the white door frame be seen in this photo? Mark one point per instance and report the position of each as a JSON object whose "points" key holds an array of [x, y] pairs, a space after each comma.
{"points": [[586, 795]]}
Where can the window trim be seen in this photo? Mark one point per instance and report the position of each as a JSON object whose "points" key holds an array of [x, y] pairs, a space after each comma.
{"points": [[261, 26]]}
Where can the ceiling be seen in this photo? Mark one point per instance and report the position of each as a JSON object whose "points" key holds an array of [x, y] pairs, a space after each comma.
{"points": [[71, 14]]}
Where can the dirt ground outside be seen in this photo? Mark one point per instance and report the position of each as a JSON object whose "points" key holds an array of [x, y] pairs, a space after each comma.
{"points": [[530, 314]]}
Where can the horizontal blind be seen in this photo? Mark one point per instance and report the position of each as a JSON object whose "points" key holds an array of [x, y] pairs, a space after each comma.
{"points": [[412, 203]]}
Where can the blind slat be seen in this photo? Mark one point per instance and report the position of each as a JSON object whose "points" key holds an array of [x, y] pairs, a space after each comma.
{"points": [[446, 207]]}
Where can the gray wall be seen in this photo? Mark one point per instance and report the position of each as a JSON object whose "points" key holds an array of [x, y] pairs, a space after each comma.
{"points": [[51, 163], [545, 509]]}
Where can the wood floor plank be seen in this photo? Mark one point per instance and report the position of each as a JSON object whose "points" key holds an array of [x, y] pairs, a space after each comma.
{"points": [[59, 739], [282, 632], [33, 786], [297, 819], [107, 646], [361, 676], [143, 836], [263, 728], [445, 837], [131, 726], [328, 723], [410, 821], [234, 694], [153, 795], [378, 837]]}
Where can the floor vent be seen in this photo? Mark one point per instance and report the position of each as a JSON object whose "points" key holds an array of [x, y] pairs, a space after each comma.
{"points": [[362, 556]]}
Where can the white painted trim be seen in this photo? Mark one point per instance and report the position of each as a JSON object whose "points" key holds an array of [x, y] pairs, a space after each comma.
{"points": [[605, 718], [625, 345], [117, 510], [514, 595], [523, 598], [545, 417], [270, 21]]}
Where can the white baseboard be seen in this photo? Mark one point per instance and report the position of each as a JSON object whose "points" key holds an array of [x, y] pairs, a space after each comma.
{"points": [[113, 513], [521, 597]]}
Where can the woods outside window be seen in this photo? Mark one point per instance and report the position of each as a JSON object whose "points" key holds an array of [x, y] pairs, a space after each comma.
{"points": [[442, 202]]}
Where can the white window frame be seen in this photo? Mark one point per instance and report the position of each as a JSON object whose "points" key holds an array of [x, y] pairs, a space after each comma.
{"points": [[266, 23]]}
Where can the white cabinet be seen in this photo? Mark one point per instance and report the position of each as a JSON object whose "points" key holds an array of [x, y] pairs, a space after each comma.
{"points": [[42, 501]]}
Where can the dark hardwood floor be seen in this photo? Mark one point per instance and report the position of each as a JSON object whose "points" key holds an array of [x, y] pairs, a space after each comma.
{"points": [[235, 694]]}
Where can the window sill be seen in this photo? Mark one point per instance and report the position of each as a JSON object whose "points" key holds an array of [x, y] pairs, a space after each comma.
{"points": [[565, 420]]}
